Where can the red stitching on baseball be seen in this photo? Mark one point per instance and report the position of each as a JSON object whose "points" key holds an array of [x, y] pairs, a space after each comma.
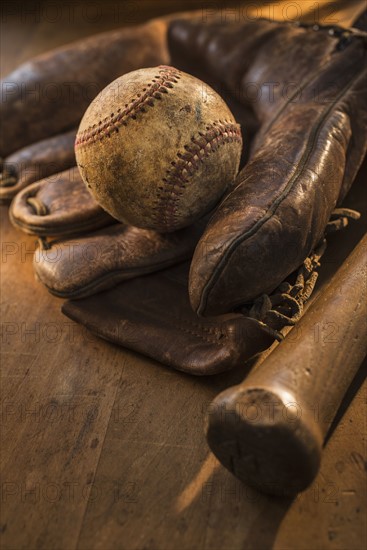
{"points": [[161, 84], [177, 177]]}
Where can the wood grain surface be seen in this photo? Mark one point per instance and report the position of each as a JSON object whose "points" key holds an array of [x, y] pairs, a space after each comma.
{"points": [[105, 449]]}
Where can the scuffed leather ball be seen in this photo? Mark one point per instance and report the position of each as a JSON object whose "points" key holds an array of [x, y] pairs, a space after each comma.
{"points": [[158, 148]]}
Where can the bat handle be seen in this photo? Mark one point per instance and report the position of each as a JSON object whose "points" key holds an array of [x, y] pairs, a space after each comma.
{"points": [[269, 430]]}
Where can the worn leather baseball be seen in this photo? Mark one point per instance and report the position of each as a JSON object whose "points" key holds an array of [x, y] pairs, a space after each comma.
{"points": [[158, 148]]}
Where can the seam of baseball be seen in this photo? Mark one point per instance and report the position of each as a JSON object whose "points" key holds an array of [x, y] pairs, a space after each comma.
{"points": [[177, 177], [161, 84]]}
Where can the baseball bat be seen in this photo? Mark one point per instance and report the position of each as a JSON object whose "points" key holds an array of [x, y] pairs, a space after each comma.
{"points": [[269, 430]]}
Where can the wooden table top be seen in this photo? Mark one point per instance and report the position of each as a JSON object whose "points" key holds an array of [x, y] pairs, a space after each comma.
{"points": [[105, 449]]}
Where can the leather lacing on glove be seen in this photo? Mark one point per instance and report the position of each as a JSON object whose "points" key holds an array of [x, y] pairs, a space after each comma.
{"points": [[38, 206], [344, 36], [285, 306]]}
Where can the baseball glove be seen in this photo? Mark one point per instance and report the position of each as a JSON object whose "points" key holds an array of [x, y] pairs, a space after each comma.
{"points": [[299, 93]]}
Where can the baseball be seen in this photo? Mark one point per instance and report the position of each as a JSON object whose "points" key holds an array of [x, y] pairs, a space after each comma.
{"points": [[158, 148]]}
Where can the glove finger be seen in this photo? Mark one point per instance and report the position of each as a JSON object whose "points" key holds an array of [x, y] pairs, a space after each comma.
{"points": [[36, 162], [247, 61], [158, 307], [277, 213], [58, 205], [88, 264], [71, 76]]}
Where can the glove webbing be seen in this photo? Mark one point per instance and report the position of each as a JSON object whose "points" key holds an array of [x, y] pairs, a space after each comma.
{"points": [[285, 306]]}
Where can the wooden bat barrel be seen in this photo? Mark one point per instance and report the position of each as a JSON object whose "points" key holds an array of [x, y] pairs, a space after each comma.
{"points": [[269, 430]]}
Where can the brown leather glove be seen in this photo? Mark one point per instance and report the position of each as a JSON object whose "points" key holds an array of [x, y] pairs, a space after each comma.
{"points": [[308, 87], [301, 91]]}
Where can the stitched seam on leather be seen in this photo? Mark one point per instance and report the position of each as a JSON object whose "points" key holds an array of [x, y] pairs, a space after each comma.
{"points": [[211, 332], [208, 335], [276, 203], [174, 183], [198, 335], [154, 90]]}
